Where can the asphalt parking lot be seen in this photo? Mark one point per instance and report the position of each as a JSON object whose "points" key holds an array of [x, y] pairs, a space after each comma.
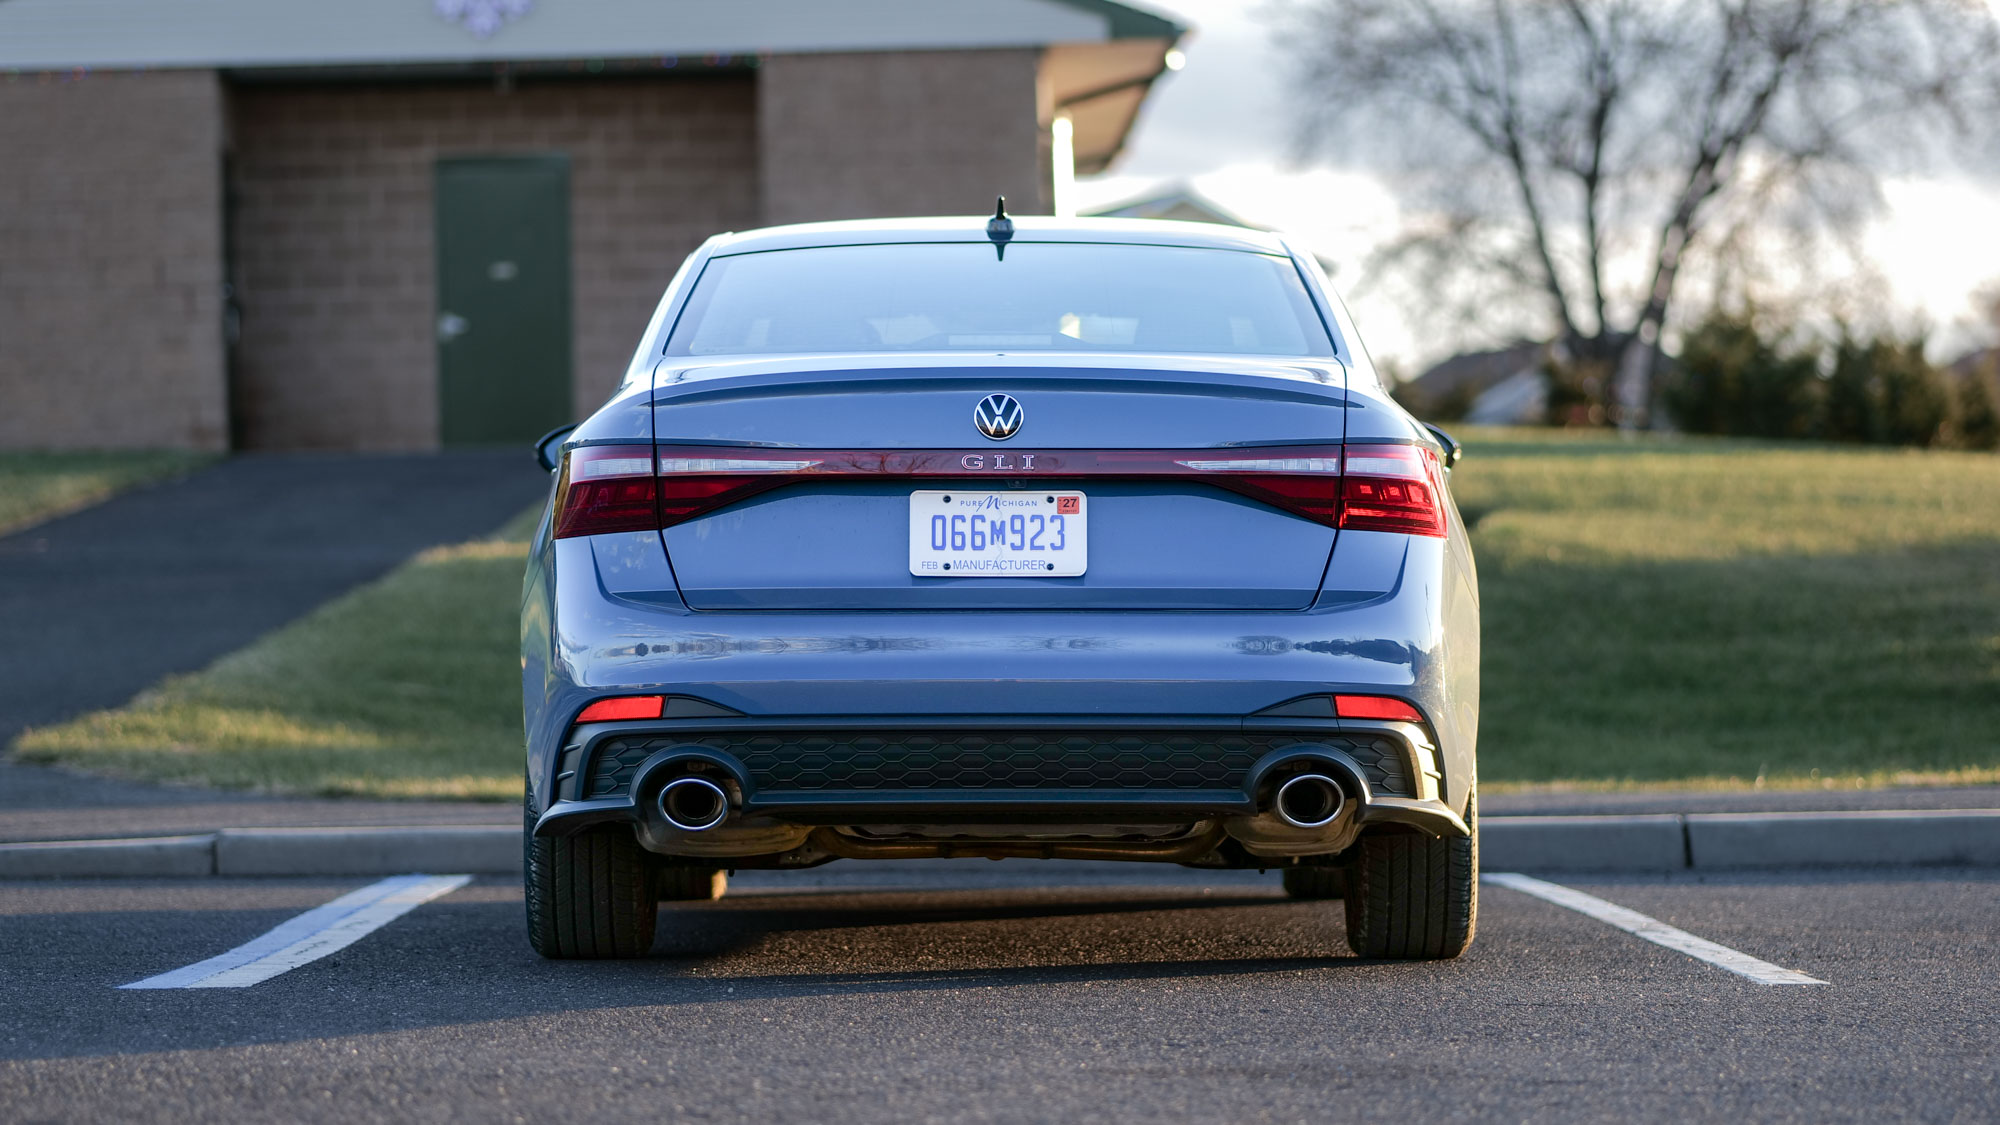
{"points": [[1013, 991]]}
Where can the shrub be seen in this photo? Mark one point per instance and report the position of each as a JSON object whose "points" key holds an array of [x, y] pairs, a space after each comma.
{"points": [[1884, 391], [1736, 379], [1978, 423]]}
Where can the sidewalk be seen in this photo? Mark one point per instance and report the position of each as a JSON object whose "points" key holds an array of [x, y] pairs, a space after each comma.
{"points": [[143, 831], [1649, 802], [39, 803]]}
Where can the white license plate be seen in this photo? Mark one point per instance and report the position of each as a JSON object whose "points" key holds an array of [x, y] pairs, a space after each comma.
{"points": [[959, 534]]}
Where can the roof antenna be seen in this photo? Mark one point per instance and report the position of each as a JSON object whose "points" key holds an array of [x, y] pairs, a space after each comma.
{"points": [[1000, 228]]}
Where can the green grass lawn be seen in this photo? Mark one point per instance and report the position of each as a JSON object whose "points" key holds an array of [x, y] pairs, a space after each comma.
{"points": [[1660, 612], [1704, 612], [36, 486]]}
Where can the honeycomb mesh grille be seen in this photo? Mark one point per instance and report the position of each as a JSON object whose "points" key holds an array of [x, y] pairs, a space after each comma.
{"points": [[959, 760]]}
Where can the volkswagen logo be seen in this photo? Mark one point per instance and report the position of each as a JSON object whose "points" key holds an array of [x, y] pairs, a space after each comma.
{"points": [[998, 416]]}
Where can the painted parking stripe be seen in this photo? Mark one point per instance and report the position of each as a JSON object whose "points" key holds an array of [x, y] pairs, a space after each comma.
{"points": [[310, 936], [1653, 930]]}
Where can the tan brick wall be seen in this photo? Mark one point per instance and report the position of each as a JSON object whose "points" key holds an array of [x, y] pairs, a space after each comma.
{"points": [[111, 261], [846, 136], [335, 258]]}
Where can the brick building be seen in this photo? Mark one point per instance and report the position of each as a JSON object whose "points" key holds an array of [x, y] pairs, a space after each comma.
{"points": [[395, 224]]}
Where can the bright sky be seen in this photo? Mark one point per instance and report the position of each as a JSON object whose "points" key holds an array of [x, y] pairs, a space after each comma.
{"points": [[1223, 125]]}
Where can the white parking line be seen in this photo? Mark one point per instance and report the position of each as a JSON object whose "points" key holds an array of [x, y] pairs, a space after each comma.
{"points": [[310, 936], [1652, 929]]}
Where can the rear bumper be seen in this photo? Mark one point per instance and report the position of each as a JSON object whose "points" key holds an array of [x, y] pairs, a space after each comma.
{"points": [[974, 770]]}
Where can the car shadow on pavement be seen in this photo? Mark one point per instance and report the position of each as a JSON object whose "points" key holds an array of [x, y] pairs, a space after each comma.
{"points": [[796, 985], [710, 928]]}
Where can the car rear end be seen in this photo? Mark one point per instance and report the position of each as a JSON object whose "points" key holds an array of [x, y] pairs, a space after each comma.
{"points": [[1001, 598]]}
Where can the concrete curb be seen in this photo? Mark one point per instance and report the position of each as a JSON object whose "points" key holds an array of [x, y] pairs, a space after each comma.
{"points": [[1736, 841], [1653, 844], [292, 852], [73, 859], [367, 851], [1727, 840], [1583, 843]]}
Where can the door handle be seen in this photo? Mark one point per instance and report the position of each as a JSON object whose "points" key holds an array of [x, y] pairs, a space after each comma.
{"points": [[451, 326]]}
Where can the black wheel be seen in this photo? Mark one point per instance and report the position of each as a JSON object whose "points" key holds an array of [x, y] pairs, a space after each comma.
{"points": [[1315, 882], [589, 895], [690, 884], [1413, 897]]}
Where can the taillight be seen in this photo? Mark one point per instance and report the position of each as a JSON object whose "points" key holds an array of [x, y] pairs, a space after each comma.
{"points": [[1305, 482], [1392, 488], [693, 481], [1372, 487], [607, 488]]}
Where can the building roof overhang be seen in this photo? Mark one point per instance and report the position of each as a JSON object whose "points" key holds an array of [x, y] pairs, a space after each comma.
{"points": [[1100, 56], [127, 34]]}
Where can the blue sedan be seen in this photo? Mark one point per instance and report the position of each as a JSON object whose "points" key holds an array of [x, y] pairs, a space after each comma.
{"points": [[1033, 538]]}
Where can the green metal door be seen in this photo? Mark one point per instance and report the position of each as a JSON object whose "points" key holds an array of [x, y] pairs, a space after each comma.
{"points": [[503, 298]]}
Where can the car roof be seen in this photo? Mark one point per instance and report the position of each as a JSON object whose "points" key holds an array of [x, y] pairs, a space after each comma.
{"points": [[972, 228]]}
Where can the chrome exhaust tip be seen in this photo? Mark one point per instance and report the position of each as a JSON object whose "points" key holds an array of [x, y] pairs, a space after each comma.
{"points": [[693, 804], [1310, 800]]}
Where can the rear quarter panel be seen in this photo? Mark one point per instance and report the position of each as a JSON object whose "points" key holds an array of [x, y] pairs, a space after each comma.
{"points": [[1448, 687], [626, 419]]}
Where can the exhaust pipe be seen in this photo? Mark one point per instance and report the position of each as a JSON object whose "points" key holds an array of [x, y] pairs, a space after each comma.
{"points": [[1310, 800], [693, 804]]}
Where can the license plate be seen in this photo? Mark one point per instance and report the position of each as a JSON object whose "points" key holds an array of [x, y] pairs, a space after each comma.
{"points": [[957, 534]]}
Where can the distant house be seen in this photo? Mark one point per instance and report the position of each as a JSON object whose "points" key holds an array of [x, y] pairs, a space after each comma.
{"points": [[1505, 386], [1182, 202], [399, 224], [1176, 201], [1980, 361]]}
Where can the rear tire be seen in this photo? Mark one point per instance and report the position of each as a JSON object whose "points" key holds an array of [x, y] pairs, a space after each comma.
{"points": [[691, 884], [1412, 897], [590, 895], [1315, 882]]}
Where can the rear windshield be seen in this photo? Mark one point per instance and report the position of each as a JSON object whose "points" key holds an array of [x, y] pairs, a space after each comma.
{"points": [[1044, 296]]}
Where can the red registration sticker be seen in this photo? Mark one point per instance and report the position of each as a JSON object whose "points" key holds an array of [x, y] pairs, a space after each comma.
{"points": [[1069, 505]]}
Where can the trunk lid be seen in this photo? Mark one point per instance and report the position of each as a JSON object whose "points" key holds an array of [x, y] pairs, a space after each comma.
{"points": [[1120, 432]]}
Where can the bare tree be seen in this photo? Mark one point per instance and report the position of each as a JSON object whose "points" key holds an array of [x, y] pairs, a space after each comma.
{"points": [[1574, 153]]}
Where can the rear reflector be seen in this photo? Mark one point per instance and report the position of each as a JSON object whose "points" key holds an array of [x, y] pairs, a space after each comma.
{"points": [[1375, 707], [622, 488], [624, 707]]}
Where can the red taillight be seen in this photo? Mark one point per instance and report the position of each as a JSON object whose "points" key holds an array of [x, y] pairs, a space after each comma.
{"points": [[693, 481], [626, 488], [607, 488], [1305, 482], [1375, 707], [1392, 488], [623, 707]]}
